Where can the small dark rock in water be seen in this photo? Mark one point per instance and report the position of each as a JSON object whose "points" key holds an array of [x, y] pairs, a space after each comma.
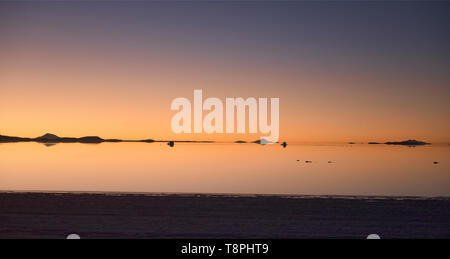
{"points": [[284, 144], [351, 143], [171, 143], [308, 162], [435, 162], [298, 160], [374, 143], [329, 162]]}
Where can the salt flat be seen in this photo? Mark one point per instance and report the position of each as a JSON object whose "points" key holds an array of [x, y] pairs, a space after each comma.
{"points": [[53, 215]]}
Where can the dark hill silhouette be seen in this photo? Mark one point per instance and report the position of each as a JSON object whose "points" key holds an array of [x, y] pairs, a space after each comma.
{"points": [[410, 142], [7, 139], [240, 142], [52, 138], [48, 137], [91, 139]]}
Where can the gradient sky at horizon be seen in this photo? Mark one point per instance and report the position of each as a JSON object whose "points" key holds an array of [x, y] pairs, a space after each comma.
{"points": [[344, 71]]}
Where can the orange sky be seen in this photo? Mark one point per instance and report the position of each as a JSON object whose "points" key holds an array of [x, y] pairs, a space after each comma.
{"points": [[88, 80], [89, 100]]}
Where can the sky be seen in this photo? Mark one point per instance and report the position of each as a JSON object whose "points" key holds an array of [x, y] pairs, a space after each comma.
{"points": [[344, 71]]}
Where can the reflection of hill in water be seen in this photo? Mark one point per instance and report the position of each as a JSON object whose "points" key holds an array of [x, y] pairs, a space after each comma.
{"points": [[49, 144], [49, 138]]}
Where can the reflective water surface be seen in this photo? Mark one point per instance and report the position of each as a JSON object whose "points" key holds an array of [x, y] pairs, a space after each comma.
{"points": [[227, 168]]}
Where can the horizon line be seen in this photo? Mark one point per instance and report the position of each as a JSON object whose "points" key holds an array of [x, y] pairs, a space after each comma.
{"points": [[49, 137]]}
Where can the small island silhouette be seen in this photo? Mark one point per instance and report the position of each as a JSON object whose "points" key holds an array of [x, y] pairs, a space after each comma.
{"points": [[410, 142]]}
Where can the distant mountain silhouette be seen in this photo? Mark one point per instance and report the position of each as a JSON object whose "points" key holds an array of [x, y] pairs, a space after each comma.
{"points": [[91, 139], [52, 138], [7, 139], [410, 142], [49, 138]]}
